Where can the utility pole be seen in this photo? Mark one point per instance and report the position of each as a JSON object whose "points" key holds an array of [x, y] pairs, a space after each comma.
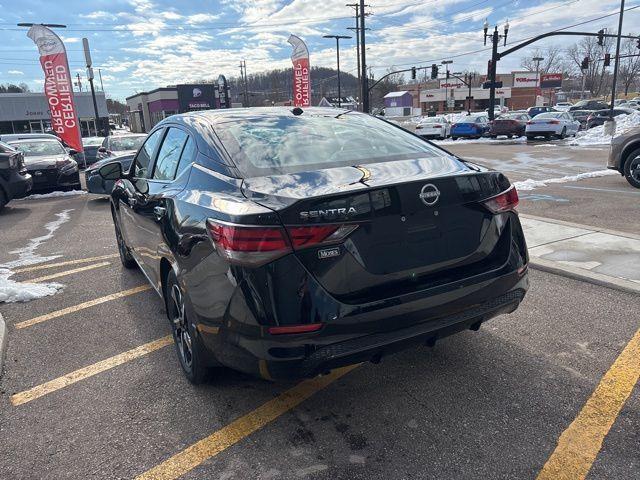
{"points": [[363, 60], [243, 77], [338, 37], [87, 57], [356, 29], [617, 61], [100, 75], [78, 82], [446, 64]]}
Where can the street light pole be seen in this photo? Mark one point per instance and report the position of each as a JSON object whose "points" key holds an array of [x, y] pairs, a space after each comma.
{"points": [[617, 61], [495, 39], [338, 37], [446, 63]]}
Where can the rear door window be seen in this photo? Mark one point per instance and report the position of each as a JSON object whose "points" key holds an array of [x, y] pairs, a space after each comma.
{"points": [[142, 162], [188, 156], [169, 154]]}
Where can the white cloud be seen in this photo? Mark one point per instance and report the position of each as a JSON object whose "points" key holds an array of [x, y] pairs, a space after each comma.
{"points": [[202, 18], [15, 72], [473, 16], [70, 39], [97, 15]]}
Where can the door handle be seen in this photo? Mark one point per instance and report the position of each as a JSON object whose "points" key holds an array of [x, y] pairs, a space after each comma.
{"points": [[159, 212]]}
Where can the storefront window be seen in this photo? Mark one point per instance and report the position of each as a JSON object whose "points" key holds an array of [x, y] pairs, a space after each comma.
{"points": [[5, 127], [21, 126]]}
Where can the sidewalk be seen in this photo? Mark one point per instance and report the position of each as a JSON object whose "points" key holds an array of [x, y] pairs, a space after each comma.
{"points": [[597, 255]]}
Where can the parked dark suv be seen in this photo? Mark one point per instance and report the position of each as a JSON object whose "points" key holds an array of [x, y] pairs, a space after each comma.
{"points": [[15, 182], [289, 242], [600, 116]]}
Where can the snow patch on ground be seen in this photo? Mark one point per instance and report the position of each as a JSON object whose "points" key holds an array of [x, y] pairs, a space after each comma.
{"points": [[531, 184], [12, 291], [37, 196], [464, 141], [596, 135]]}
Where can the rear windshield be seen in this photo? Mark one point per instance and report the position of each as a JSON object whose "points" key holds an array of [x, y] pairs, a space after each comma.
{"points": [[549, 115], [433, 120], [280, 144], [470, 119]]}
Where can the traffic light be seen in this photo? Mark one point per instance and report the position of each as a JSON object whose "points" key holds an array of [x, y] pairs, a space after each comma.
{"points": [[585, 64], [447, 74], [607, 59], [601, 37], [434, 71], [413, 73], [638, 41]]}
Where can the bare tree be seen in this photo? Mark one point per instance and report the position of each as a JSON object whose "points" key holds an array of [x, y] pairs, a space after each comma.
{"points": [[389, 84], [597, 79], [629, 69], [554, 61]]}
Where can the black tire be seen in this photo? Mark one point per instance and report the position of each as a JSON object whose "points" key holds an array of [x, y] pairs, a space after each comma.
{"points": [[191, 352], [509, 137], [493, 136], [563, 133], [632, 169], [125, 254], [454, 138], [3, 199], [530, 138]]}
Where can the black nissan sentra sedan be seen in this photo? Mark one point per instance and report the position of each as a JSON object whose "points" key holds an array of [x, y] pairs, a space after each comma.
{"points": [[288, 242]]}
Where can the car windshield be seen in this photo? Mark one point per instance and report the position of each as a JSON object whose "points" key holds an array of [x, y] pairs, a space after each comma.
{"points": [[118, 144], [39, 149], [92, 141], [549, 115], [279, 144], [510, 116]]}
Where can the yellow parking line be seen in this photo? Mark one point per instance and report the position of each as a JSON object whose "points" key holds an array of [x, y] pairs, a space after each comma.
{"points": [[580, 443], [68, 272], [89, 371], [81, 306], [231, 434], [63, 264]]}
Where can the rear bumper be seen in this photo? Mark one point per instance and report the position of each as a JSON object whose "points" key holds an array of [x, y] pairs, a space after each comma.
{"points": [[19, 185], [419, 318]]}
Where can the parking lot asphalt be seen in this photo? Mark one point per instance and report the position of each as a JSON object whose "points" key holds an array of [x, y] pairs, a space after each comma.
{"points": [[94, 390]]}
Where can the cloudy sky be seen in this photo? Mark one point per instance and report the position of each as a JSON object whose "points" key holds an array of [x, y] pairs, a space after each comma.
{"points": [[142, 44]]}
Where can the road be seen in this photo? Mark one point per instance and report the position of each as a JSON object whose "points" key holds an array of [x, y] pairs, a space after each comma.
{"points": [[486, 404]]}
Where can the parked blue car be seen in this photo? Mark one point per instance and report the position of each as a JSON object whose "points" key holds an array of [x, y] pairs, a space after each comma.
{"points": [[470, 126]]}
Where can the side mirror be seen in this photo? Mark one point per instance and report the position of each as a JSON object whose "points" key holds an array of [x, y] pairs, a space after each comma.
{"points": [[102, 149], [111, 171], [72, 152]]}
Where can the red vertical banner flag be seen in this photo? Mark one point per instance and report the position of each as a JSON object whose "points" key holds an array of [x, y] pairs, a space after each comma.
{"points": [[57, 85], [301, 76]]}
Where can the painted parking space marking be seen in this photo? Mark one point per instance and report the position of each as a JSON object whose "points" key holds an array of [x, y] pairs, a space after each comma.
{"points": [[579, 444], [89, 371], [64, 264], [82, 306], [240, 428], [67, 272]]}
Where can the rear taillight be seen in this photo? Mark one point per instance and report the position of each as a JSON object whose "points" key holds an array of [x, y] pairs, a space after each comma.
{"points": [[529, 122], [554, 122], [436, 126], [258, 245], [454, 125], [503, 202]]}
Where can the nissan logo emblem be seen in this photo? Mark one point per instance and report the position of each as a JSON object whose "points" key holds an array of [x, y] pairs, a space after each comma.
{"points": [[429, 194]]}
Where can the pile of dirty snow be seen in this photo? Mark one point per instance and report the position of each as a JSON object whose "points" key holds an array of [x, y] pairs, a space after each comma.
{"points": [[596, 135], [12, 291], [70, 193], [531, 184]]}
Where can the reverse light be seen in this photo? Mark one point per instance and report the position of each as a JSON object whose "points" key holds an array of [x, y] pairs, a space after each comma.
{"points": [[503, 202], [289, 329]]}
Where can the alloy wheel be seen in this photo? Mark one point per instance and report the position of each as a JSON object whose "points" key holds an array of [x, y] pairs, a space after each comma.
{"points": [[180, 326], [634, 169]]}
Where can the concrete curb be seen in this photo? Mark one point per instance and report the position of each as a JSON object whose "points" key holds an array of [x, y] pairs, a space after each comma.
{"points": [[617, 233], [585, 275], [3, 342]]}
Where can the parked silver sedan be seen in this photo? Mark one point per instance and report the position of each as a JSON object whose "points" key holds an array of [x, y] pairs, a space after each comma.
{"points": [[556, 124]]}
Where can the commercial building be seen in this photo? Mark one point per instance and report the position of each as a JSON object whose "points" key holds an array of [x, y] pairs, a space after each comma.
{"points": [[146, 109], [29, 113], [519, 90]]}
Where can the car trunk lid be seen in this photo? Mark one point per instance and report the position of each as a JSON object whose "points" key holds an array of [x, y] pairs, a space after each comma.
{"points": [[415, 219]]}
